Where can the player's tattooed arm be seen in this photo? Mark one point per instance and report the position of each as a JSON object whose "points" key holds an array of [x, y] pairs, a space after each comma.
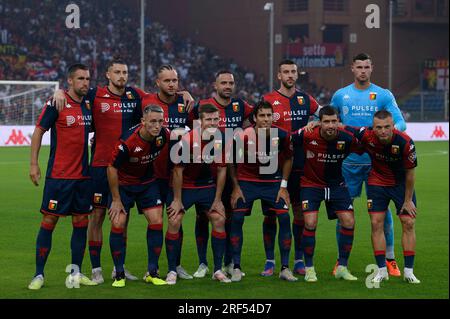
{"points": [[237, 192], [116, 205], [188, 100], [408, 206], [176, 207], [36, 140]]}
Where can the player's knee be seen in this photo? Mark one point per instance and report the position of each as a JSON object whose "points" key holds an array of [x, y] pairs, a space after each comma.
{"points": [[377, 225], [408, 224], [217, 220], [50, 219], [348, 222], [310, 223]]}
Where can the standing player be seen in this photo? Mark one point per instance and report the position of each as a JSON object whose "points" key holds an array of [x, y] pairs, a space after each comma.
{"points": [[325, 148], [115, 109], [391, 177], [291, 111], [250, 183], [131, 179], [233, 113], [68, 187], [357, 103], [194, 184], [176, 117]]}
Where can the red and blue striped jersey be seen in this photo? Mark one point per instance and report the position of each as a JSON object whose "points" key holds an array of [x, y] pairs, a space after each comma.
{"points": [[389, 161], [113, 115], [69, 139], [323, 159], [291, 114], [232, 115], [201, 159], [253, 158], [175, 116], [133, 156]]}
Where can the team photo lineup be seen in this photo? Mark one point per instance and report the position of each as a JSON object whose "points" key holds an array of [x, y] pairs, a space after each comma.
{"points": [[165, 153]]}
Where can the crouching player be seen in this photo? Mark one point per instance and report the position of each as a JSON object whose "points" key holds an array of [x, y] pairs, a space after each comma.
{"points": [[325, 149], [131, 179], [392, 177], [262, 177], [193, 184]]}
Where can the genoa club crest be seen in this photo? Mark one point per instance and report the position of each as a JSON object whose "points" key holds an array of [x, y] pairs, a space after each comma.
{"points": [[340, 145], [236, 106], [369, 204], [88, 104], [395, 149], [52, 204], [159, 141], [305, 205], [372, 96], [97, 198], [181, 108], [301, 100], [129, 95]]}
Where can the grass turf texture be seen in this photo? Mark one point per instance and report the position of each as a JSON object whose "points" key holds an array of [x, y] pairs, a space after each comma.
{"points": [[21, 219]]}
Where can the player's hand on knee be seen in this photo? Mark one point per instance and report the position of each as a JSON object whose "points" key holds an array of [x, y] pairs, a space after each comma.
{"points": [[409, 208], [174, 209], [115, 211], [35, 174], [218, 207], [283, 194], [235, 195], [59, 99]]}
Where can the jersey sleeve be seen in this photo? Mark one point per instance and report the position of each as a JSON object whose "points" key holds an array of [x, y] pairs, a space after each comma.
{"points": [[356, 146], [313, 107], [357, 131], [409, 155], [120, 154], [48, 116], [336, 101], [392, 107], [141, 93], [288, 150], [248, 110]]}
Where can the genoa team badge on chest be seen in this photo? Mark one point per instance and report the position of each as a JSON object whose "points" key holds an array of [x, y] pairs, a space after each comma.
{"points": [[236, 106], [129, 95], [395, 149], [301, 100], [159, 141], [181, 108], [340, 145], [372, 96]]}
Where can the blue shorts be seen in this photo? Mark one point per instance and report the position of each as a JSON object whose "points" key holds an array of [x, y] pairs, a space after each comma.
{"points": [[163, 189], [378, 198], [337, 200], [202, 198], [100, 186], [145, 196], [63, 197], [294, 187], [355, 176], [266, 192]]}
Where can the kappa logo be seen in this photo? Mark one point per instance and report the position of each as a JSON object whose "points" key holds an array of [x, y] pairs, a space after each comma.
{"points": [[285, 206], [313, 142], [121, 148], [411, 147], [137, 149], [346, 97], [158, 202], [350, 207], [17, 138], [371, 144], [438, 132], [105, 107], [106, 95], [70, 120], [277, 102], [68, 105]]}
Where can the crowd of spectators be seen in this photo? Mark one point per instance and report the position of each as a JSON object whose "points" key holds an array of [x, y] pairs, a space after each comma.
{"points": [[35, 44]]}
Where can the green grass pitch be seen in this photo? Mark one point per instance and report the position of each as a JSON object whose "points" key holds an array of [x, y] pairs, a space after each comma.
{"points": [[20, 205]]}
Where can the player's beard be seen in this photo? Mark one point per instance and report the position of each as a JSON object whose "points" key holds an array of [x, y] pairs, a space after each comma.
{"points": [[81, 91], [287, 85], [224, 95], [119, 85]]}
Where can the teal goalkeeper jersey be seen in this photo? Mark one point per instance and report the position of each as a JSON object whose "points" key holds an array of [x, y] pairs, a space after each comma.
{"points": [[357, 107]]}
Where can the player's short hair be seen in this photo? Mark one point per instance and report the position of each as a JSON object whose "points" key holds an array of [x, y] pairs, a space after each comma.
{"points": [[117, 59], [206, 108], [261, 105], [75, 67], [362, 57], [165, 67], [152, 108], [223, 71], [382, 114], [286, 62], [328, 110]]}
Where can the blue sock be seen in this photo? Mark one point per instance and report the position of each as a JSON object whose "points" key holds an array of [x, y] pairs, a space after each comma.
{"points": [[95, 248], [172, 249], [409, 258], [116, 244], [269, 235], [218, 240], [345, 245], [389, 235], [284, 238], [338, 232], [181, 245], [201, 238], [228, 256], [78, 242], [297, 232], [380, 257], [308, 244], [154, 244], [236, 236], [43, 247]]}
